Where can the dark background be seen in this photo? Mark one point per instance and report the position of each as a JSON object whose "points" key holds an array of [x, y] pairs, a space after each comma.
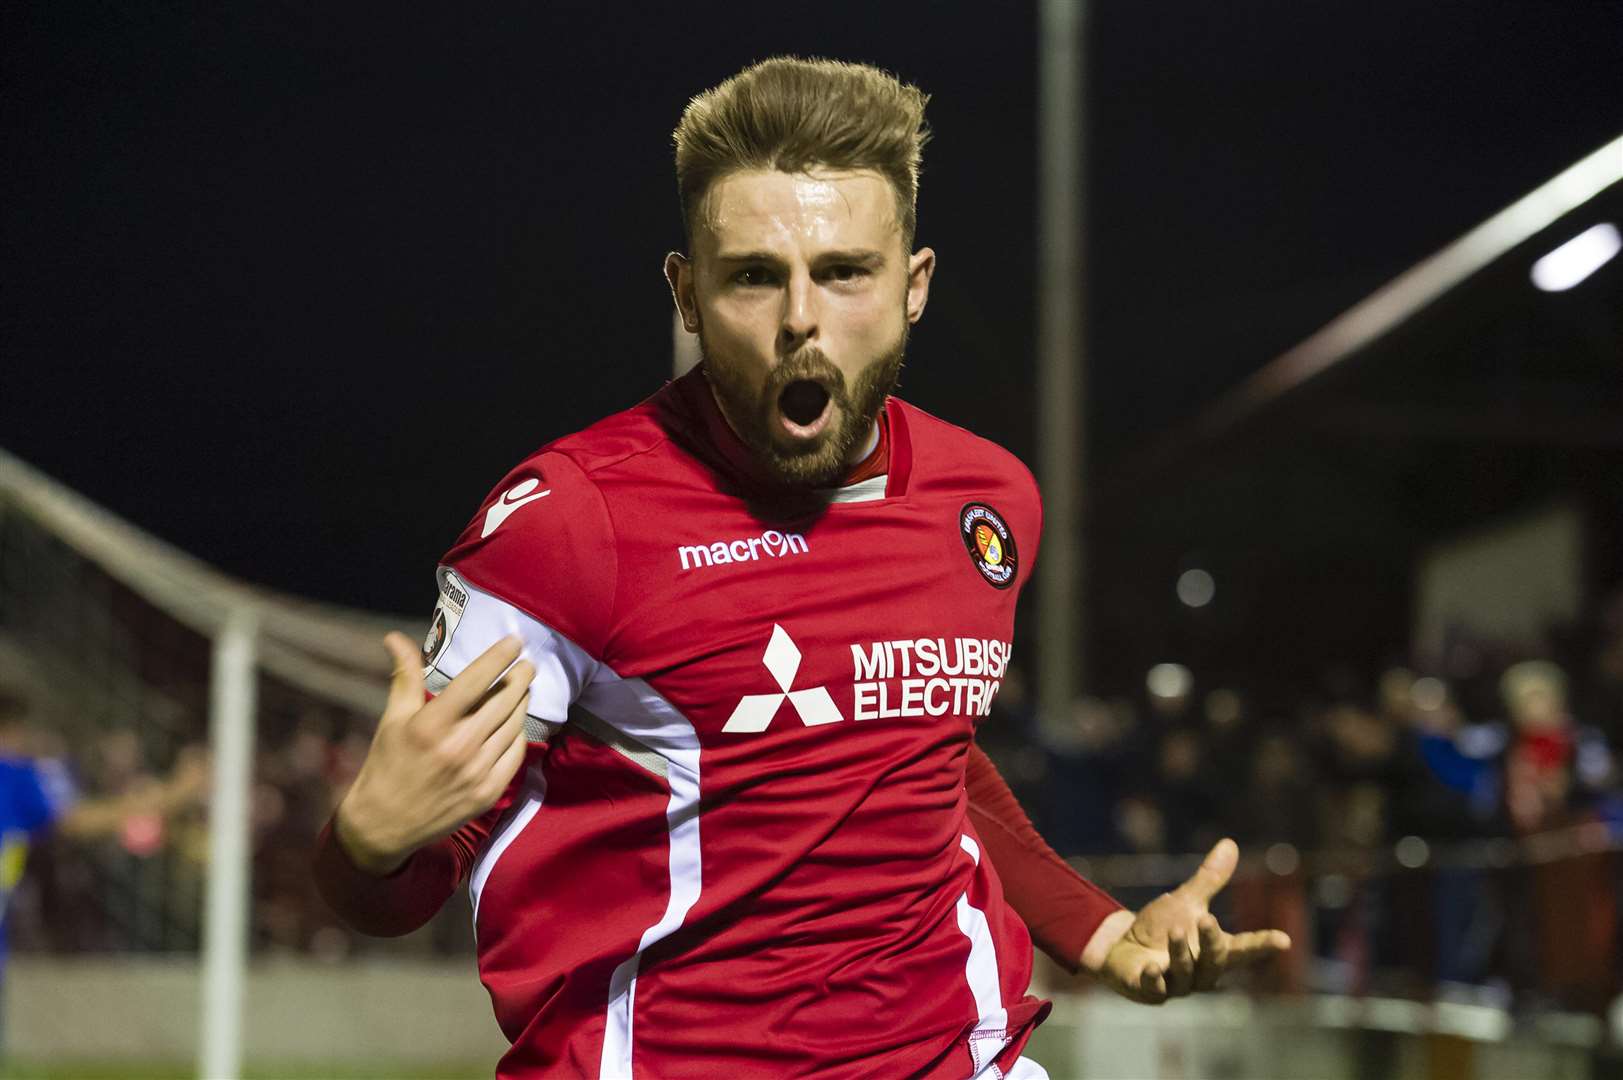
{"points": [[293, 288]]}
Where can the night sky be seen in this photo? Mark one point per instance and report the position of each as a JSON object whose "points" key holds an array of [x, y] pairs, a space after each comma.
{"points": [[292, 288]]}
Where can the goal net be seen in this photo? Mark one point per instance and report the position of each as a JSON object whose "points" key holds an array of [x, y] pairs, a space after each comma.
{"points": [[146, 676]]}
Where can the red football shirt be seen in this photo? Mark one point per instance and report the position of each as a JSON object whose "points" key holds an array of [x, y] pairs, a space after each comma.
{"points": [[742, 843]]}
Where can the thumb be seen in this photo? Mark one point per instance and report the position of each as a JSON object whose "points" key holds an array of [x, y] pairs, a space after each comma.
{"points": [[1215, 871], [406, 684]]}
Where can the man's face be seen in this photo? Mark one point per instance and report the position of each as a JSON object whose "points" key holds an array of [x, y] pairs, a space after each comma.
{"points": [[802, 293]]}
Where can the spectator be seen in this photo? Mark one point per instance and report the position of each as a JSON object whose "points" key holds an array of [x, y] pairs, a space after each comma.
{"points": [[37, 795], [1538, 765], [1088, 756], [1456, 797], [1574, 899]]}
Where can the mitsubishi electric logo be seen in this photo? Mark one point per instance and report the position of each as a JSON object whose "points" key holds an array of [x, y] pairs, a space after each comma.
{"points": [[905, 677], [756, 711]]}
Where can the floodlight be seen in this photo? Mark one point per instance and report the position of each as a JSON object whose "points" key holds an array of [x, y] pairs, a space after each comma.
{"points": [[1169, 681], [1196, 588], [1576, 259]]}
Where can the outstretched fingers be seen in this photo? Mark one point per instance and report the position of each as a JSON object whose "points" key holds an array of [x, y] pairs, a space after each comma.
{"points": [[1180, 965], [1214, 873], [1152, 984], [1214, 954], [1256, 945]]}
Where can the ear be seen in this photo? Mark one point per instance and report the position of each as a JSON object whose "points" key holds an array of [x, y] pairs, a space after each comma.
{"points": [[920, 268], [679, 274]]}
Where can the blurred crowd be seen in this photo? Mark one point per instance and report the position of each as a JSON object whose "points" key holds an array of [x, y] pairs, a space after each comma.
{"points": [[1455, 825], [1450, 825], [137, 885]]}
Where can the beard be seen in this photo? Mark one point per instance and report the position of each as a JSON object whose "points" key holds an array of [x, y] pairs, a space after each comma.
{"points": [[805, 373]]}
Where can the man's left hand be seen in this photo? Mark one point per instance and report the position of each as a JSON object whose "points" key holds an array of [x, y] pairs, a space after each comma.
{"points": [[1174, 946]]}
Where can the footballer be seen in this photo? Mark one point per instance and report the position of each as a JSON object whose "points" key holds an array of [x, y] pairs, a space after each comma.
{"points": [[703, 679]]}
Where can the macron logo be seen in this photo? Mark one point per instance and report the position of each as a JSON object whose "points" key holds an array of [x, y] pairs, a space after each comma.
{"points": [[756, 711], [513, 498], [771, 544]]}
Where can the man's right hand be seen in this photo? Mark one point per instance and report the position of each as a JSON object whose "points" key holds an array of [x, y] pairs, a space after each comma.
{"points": [[432, 767]]}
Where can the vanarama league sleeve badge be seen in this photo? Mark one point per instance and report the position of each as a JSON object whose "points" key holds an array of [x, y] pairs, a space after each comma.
{"points": [[990, 544], [447, 613]]}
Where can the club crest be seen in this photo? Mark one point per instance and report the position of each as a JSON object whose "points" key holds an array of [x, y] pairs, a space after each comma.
{"points": [[990, 544]]}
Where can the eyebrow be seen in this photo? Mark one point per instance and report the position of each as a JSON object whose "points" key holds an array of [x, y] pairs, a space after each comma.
{"points": [[860, 256]]}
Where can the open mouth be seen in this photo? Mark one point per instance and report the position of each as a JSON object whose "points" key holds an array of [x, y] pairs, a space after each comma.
{"points": [[804, 408]]}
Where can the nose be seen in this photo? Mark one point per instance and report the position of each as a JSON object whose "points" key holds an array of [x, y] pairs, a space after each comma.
{"points": [[799, 323]]}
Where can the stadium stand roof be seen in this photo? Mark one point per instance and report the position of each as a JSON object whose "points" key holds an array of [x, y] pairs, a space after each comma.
{"points": [[1455, 393]]}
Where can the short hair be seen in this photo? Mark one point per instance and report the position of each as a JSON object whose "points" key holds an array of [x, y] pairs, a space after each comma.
{"points": [[793, 114], [1531, 676]]}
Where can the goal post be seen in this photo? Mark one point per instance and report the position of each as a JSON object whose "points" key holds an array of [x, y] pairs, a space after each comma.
{"points": [[225, 937], [117, 630]]}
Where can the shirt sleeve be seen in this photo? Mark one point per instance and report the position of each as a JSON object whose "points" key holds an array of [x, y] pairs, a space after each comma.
{"points": [[386, 906], [403, 901], [537, 562], [1060, 907]]}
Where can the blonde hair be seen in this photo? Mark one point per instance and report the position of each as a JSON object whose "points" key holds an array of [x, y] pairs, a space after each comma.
{"points": [[792, 115]]}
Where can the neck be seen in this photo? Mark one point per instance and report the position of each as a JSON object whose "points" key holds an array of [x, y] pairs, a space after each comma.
{"points": [[860, 452]]}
